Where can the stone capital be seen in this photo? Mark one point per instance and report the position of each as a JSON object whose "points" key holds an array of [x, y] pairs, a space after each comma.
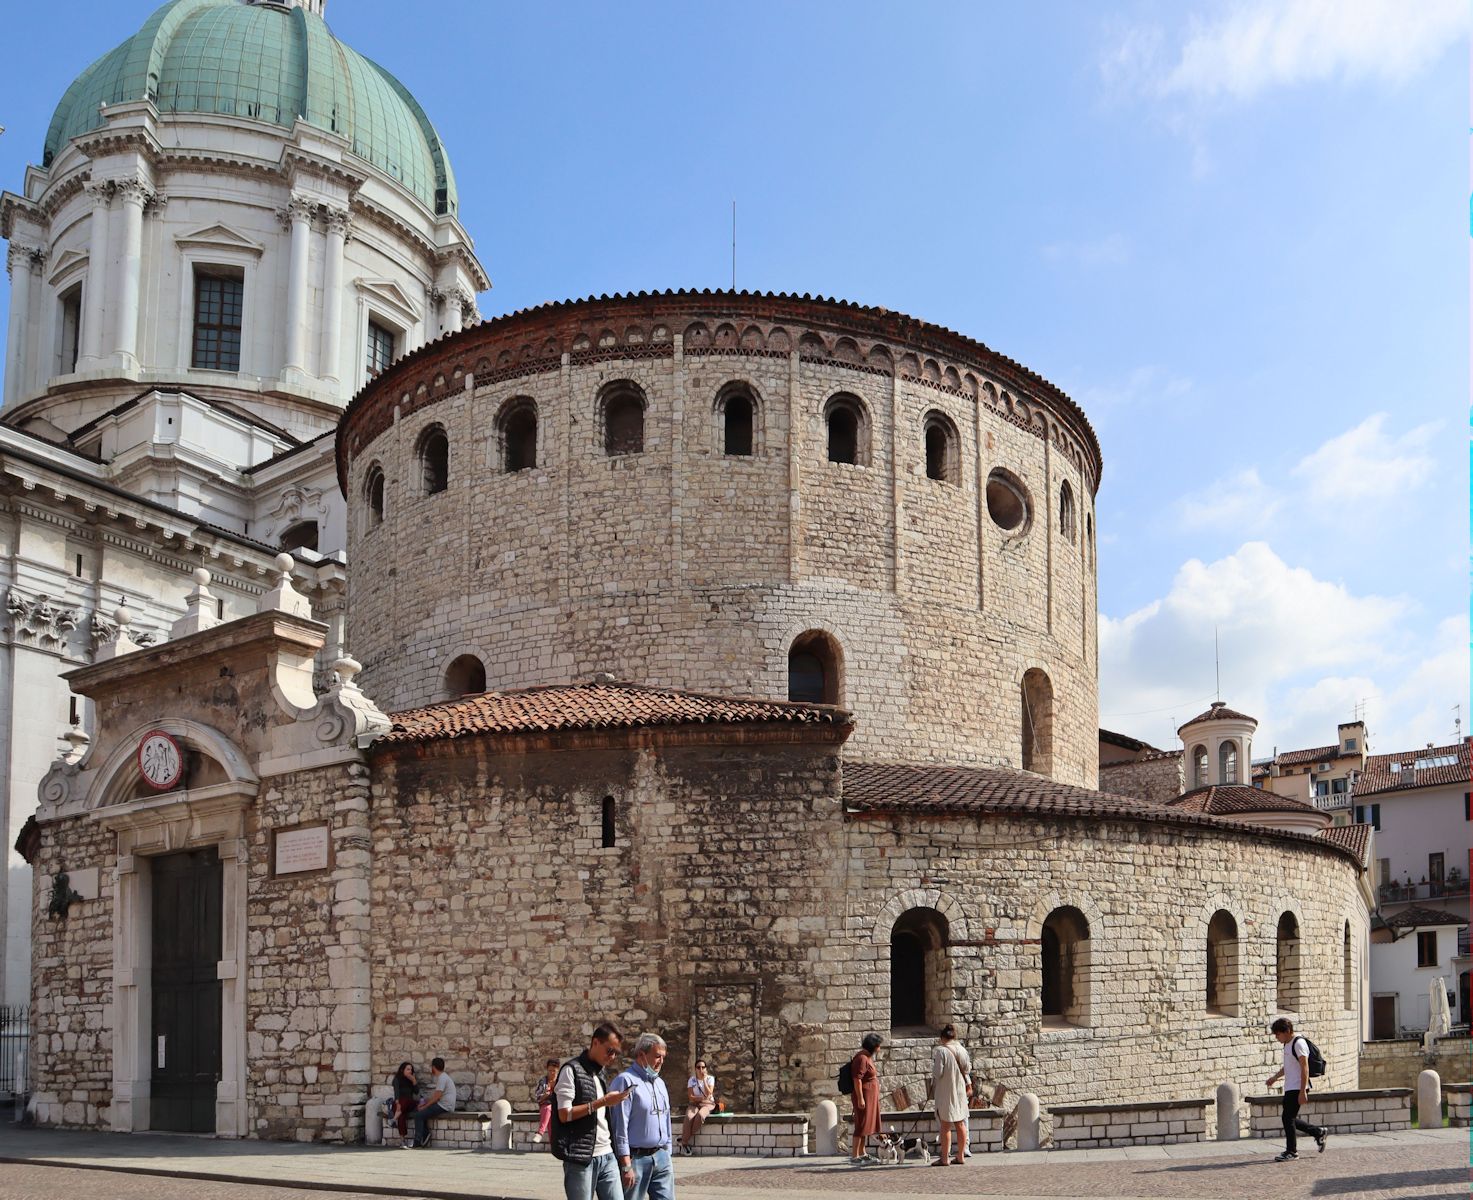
{"points": [[339, 221], [133, 191], [100, 191], [39, 621], [298, 208], [20, 257]]}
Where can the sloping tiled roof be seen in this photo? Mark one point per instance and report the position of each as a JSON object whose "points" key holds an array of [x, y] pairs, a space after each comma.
{"points": [[909, 788], [1223, 799], [1123, 740], [1218, 712], [1354, 838], [1417, 917], [1379, 777], [595, 706], [1318, 754]]}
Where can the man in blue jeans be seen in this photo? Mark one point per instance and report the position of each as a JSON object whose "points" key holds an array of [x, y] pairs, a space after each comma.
{"points": [[580, 1127], [440, 1100], [641, 1125]]}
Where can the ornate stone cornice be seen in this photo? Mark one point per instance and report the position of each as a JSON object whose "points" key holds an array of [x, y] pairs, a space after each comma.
{"points": [[39, 620]]}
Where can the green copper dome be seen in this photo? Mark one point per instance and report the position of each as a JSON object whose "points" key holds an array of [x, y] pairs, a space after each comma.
{"points": [[263, 62]]}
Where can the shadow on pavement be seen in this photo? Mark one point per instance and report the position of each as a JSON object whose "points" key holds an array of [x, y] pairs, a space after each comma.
{"points": [[1349, 1184]]}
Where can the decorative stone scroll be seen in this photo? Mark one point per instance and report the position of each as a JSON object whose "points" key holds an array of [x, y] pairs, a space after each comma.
{"points": [[39, 621]]}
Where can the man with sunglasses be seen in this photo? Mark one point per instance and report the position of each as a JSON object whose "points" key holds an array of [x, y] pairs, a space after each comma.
{"points": [[640, 1125]]}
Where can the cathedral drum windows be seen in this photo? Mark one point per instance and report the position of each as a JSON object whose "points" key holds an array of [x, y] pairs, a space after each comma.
{"points": [[373, 496], [736, 414], [382, 347], [847, 424], [622, 406], [432, 453], [943, 449], [516, 429], [218, 304]]}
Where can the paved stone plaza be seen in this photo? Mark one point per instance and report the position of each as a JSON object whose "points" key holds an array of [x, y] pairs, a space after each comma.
{"points": [[1408, 1166]]}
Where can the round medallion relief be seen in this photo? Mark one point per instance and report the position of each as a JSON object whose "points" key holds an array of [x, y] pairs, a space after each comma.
{"points": [[160, 760]]}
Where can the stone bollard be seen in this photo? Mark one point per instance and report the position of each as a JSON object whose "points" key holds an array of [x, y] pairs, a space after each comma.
{"points": [[825, 1122], [1429, 1100], [1028, 1122], [501, 1125], [1229, 1118], [373, 1121]]}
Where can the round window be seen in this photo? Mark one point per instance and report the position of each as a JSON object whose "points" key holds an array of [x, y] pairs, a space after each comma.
{"points": [[1007, 501]]}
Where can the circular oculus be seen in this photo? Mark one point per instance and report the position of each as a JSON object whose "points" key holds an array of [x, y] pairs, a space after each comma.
{"points": [[160, 760]]}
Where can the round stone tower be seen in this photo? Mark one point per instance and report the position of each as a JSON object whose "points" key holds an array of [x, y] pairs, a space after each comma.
{"points": [[749, 494]]}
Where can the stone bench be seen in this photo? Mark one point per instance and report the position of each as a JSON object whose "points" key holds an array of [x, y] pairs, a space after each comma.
{"points": [[464, 1129], [1371, 1111], [984, 1127], [1459, 1097], [1094, 1126], [743, 1135]]}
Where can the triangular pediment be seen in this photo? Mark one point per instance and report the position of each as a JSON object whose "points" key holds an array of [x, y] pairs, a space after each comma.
{"points": [[65, 261], [219, 237], [386, 291]]}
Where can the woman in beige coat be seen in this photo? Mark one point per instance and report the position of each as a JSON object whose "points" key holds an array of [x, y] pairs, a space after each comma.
{"points": [[950, 1070]]}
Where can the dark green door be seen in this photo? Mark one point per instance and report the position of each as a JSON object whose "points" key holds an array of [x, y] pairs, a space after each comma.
{"points": [[186, 993]]}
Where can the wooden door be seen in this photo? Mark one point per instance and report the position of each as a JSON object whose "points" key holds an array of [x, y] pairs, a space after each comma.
{"points": [[185, 1046], [1383, 1017]]}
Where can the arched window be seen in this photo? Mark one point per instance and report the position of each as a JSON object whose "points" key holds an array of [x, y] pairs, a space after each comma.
{"points": [[373, 495], [814, 665], [920, 975], [607, 814], [1227, 762], [1199, 767], [1066, 512], [1065, 951], [1286, 990], [738, 413], [1222, 964], [848, 431], [517, 429], [433, 452], [301, 536], [623, 409], [1089, 537], [1038, 722], [1346, 974], [943, 449], [465, 676]]}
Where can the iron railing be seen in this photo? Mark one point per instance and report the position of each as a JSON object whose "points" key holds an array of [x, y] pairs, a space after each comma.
{"points": [[15, 1036], [1407, 893]]}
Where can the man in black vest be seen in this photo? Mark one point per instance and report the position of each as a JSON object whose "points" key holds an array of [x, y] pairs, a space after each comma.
{"points": [[580, 1128]]}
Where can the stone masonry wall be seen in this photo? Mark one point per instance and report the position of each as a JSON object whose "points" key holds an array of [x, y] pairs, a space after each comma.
{"points": [[1154, 779], [682, 566]]}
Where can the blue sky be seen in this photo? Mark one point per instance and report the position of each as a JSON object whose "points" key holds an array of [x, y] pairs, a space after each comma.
{"points": [[1235, 233]]}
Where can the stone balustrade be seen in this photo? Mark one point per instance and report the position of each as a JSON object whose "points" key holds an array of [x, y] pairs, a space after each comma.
{"points": [[1459, 1097], [1092, 1126], [1371, 1111]]}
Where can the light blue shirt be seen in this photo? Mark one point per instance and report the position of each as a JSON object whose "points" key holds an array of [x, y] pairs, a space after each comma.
{"points": [[643, 1119]]}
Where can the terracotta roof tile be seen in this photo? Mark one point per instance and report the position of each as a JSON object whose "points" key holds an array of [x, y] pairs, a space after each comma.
{"points": [[1379, 777], [1123, 740], [1218, 712], [1354, 838], [1223, 799], [1318, 754], [595, 706], [1416, 917], [908, 788]]}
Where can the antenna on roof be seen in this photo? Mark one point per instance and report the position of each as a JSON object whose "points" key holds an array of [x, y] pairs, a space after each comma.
{"points": [[733, 245], [1457, 722], [1217, 659]]}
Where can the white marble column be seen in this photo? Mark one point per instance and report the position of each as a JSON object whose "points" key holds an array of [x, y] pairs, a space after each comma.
{"points": [[95, 289], [134, 195], [298, 215], [332, 286], [20, 261]]}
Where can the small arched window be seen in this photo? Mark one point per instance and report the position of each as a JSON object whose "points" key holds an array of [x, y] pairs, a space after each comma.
{"points": [[738, 421], [1199, 767], [1089, 538], [1066, 512], [920, 978], [943, 449], [1347, 975], [1286, 976], [848, 431], [623, 421], [1038, 722], [433, 452], [607, 814], [1222, 964], [1065, 950], [517, 427], [301, 536], [373, 495], [465, 676], [1227, 762], [814, 665]]}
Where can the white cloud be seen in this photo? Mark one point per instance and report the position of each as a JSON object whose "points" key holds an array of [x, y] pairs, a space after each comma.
{"points": [[1298, 653], [1365, 463], [1144, 385], [1258, 45], [1241, 502], [1108, 251]]}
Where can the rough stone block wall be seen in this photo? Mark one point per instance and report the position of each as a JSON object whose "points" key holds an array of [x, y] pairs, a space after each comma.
{"points": [[682, 566], [1396, 1063], [71, 1065], [1155, 779]]}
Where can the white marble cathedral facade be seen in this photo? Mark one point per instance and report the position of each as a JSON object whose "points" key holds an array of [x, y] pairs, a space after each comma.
{"points": [[215, 252]]}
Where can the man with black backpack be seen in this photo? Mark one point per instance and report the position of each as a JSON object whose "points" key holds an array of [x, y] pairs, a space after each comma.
{"points": [[1301, 1060]]}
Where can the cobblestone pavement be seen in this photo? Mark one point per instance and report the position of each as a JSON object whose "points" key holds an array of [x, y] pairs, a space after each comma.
{"points": [[1402, 1171], [21, 1182]]}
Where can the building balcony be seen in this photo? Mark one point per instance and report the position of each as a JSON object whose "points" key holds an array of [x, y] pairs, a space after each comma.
{"points": [[1404, 893], [1333, 802]]}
